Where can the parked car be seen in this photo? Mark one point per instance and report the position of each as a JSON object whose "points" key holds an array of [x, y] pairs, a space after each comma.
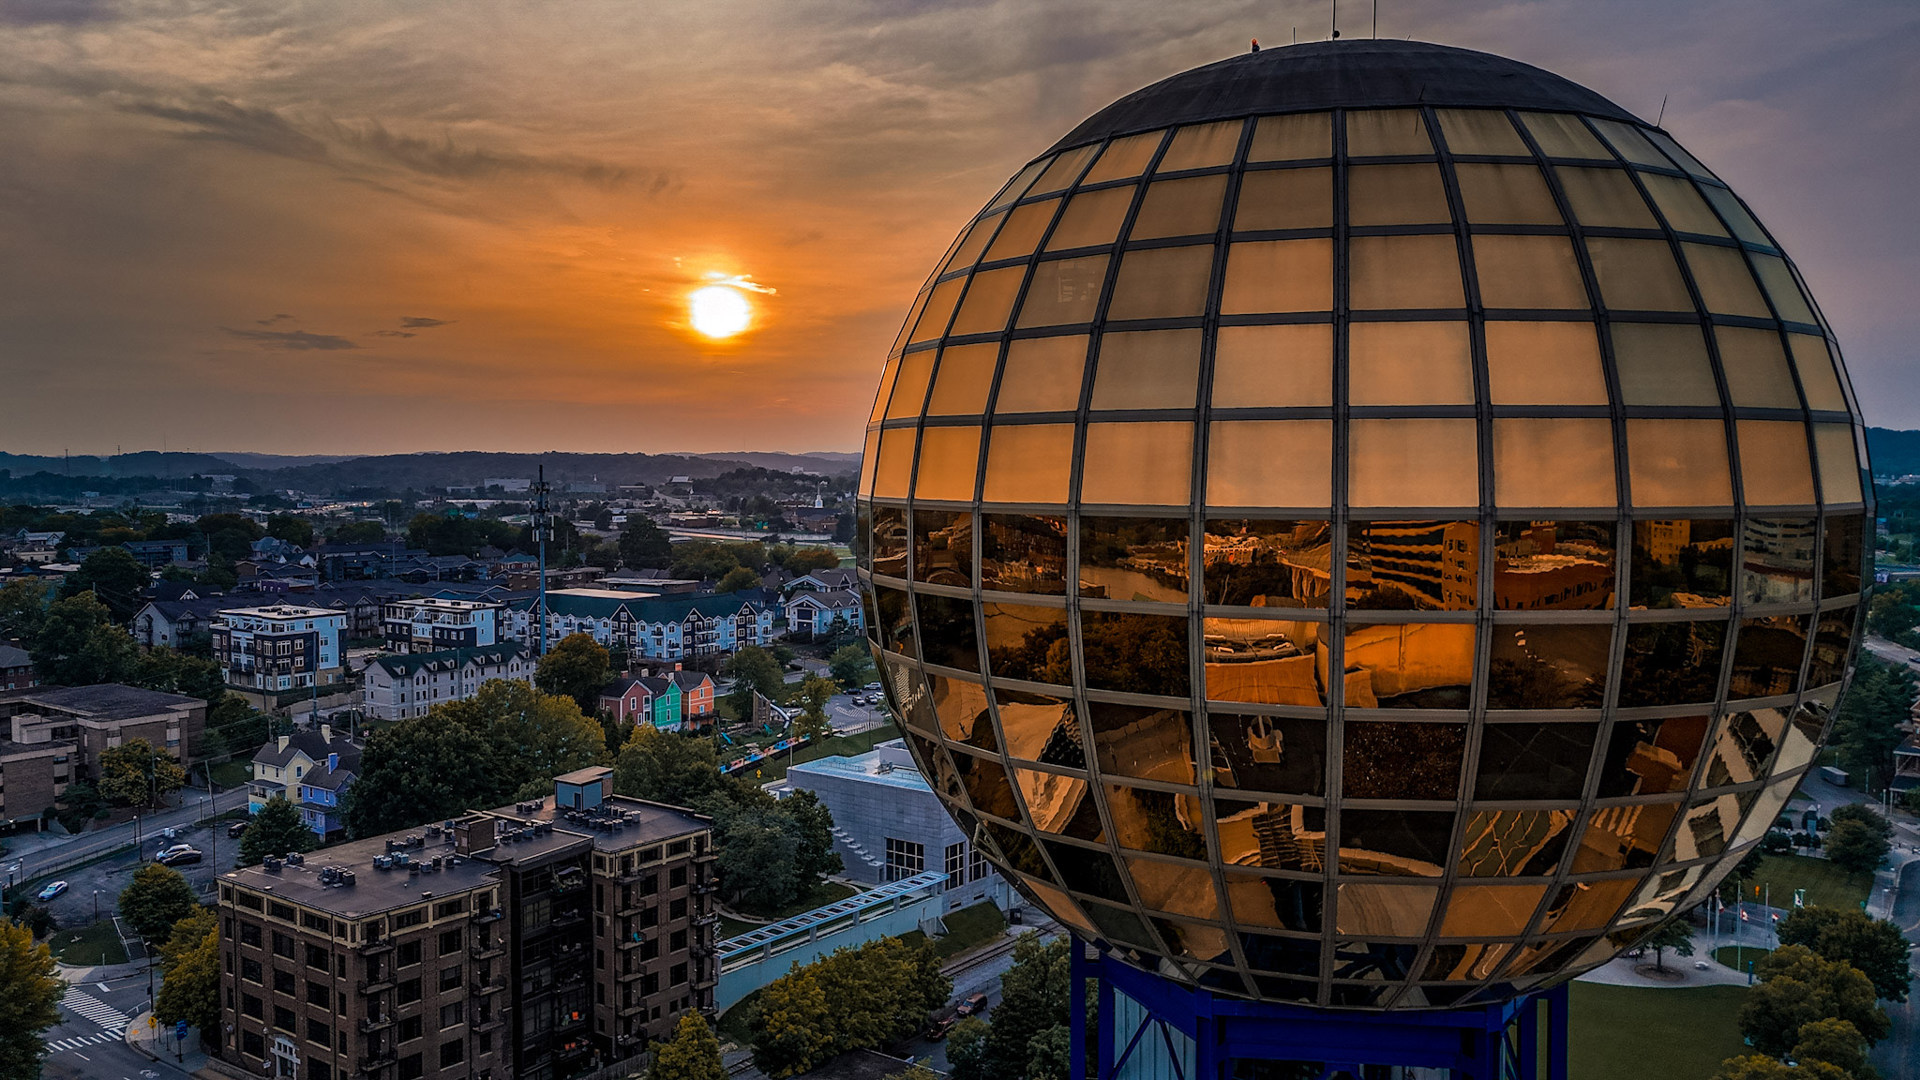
{"points": [[872, 686], [53, 889], [236, 828], [973, 1006], [179, 856], [941, 1027]]}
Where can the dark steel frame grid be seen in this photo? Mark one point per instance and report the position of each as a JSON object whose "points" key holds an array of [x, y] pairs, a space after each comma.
{"points": [[1484, 618]]}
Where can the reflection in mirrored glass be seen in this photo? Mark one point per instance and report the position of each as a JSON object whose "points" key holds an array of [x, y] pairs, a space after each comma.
{"points": [[1709, 824], [1638, 275], [890, 541], [1285, 199], [1085, 871], [1377, 909], [1268, 952], [948, 637], [1259, 563], [1651, 757], [1526, 762], [1514, 843], [987, 786], [1544, 363], [1058, 803], [1274, 903], [1187, 207], [1810, 719], [1028, 642], [1776, 560], [1764, 812], [1280, 365], [1161, 822], [1162, 283], [1557, 461], [1278, 836], [1283, 754], [1179, 889], [1463, 963], [1673, 663], [1553, 565], [1139, 740], [1586, 905], [1266, 661], [895, 620], [1023, 553], [1199, 942], [1064, 291], [1413, 462], [1483, 911], [943, 547], [1841, 561], [1662, 893], [961, 706], [1682, 563], [1135, 654], [1831, 634], [1409, 666], [1040, 727], [1042, 375], [1141, 559], [1415, 272], [1028, 463], [1395, 760], [1386, 132], [1373, 961], [1766, 656], [1743, 746], [1624, 837], [1397, 843], [1413, 565], [1549, 666]]}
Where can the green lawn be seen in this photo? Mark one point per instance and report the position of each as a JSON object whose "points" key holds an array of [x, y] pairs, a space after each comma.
{"points": [[967, 929], [826, 893], [841, 745], [231, 774], [1747, 955], [89, 945], [1631, 1032], [1826, 884], [733, 1023]]}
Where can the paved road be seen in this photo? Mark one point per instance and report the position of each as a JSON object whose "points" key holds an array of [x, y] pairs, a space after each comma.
{"points": [[89, 1043], [1891, 653], [1899, 1055], [196, 805]]}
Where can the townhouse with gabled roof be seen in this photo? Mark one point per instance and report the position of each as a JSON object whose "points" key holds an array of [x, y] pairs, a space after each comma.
{"points": [[648, 627], [408, 685]]}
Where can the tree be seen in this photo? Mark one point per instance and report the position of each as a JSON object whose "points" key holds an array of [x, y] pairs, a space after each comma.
{"points": [[1049, 1056], [576, 668], [115, 577], [813, 856], [23, 607], [1796, 988], [538, 735], [359, 532], [1875, 946], [754, 671], [790, 1032], [1673, 934], [190, 963], [756, 863], [134, 773], [30, 993], [692, 1054], [157, 898], [644, 544], [1761, 1067], [1033, 1001], [174, 672], [1855, 847], [276, 830], [851, 665], [666, 767], [814, 694], [78, 644], [737, 579], [808, 559], [291, 528], [1835, 1042], [967, 1054], [1867, 729], [425, 768]]}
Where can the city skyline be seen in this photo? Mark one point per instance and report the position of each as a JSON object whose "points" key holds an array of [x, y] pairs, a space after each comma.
{"points": [[305, 230]]}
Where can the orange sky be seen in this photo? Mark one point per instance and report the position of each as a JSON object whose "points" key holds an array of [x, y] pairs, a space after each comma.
{"points": [[350, 227]]}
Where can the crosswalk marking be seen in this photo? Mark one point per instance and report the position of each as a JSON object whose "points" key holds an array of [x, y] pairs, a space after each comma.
{"points": [[78, 1041], [111, 1019]]}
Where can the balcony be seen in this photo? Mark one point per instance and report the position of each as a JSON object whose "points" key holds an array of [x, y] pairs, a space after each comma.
{"points": [[634, 1009], [371, 1024], [709, 919], [477, 987], [632, 941], [491, 1022], [379, 1059], [376, 984], [707, 856], [629, 976], [705, 888], [375, 946], [486, 917], [486, 950]]}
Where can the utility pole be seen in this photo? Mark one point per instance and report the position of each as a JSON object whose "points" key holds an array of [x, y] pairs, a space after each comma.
{"points": [[542, 531]]}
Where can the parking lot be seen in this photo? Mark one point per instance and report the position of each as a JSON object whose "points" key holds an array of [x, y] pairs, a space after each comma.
{"points": [[97, 886]]}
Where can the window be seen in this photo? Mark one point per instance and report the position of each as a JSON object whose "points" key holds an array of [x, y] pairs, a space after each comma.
{"points": [[408, 991], [407, 1030], [452, 1014], [677, 942], [677, 877], [284, 1019], [450, 977], [283, 983], [252, 1044], [250, 970], [282, 945], [449, 943], [677, 976], [407, 954], [452, 1052], [904, 858], [956, 865], [318, 993], [317, 957], [977, 865], [412, 1067], [251, 1006], [677, 909], [318, 1032], [409, 918]]}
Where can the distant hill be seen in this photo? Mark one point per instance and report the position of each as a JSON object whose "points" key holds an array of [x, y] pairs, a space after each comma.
{"points": [[1895, 453]]}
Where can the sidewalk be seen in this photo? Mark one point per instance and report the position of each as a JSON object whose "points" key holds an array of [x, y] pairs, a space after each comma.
{"points": [[195, 805], [1684, 972], [156, 1041]]}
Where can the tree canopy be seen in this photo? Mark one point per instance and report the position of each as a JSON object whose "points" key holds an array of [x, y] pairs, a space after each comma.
{"points": [[276, 830], [1034, 999], [754, 670], [1797, 987], [1868, 728], [738, 579], [136, 774], [190, 963], [1875, 946], [577, 668], [851, 665], [1673, 934], [644, 544], [30, 993], [852, 999], [156, 898], [115, 577], [692, 1054], [78, 644]]}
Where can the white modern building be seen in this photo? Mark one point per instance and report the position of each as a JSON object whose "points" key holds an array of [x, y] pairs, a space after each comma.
{"points": [[278, 646], [434, 624], [402, 686]]}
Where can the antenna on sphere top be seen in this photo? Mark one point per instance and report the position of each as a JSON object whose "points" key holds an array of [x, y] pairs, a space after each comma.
{"points": [[1663, 111], [1376, 18], [1256, 44], [1336, 20]]}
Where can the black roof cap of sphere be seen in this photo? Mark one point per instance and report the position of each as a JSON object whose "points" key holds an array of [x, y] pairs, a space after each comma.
{"points": [[1341, 74]]}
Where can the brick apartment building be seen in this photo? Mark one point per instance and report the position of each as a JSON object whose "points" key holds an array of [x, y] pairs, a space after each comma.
{"points": [[53, 735], [526, 942]]}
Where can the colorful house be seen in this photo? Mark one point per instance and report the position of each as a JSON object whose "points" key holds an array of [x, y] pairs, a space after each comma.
{"points": [[321, 790]]}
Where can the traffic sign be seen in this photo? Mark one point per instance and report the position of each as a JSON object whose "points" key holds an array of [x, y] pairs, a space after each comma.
{"points": [[180, 1029]]}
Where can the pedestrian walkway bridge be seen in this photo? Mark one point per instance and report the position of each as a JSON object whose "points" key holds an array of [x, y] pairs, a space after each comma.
{"points": [[761, 955]]}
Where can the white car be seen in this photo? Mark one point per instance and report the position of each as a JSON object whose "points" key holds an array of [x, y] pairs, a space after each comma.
{"points": [[174, 849]]}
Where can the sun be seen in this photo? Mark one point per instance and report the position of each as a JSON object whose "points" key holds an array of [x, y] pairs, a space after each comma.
{"points": [[719, 311]]}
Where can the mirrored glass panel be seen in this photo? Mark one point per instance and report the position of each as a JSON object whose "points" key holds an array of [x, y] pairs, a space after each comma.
{"points": [[1135, 654], [1562, 461], [1776, 560], [1278, 276], [1284, 199], [1274, 903], [1605, 198], [1409, 666], [943, 547], [895, 620], [1839, 468], [989, 301], [961, 707], [1678, 463], [1064, 291], [1483, 911], [1544, 363], [1382, 759], [1527, 272], [1560, 135], [1409, 363], [1162, 283], [1386, 132], [1513, 843], [1147, 369], [1124, 157], [1027, 642], [1680, 203], [1553, 565], [1624, 837], [1742, 747], [1651, 757], [1726, 285], [894, 469], [1281, 754], [1413, 463], [965, 375], [988, 789], [1059, 802], [1273, 366], [910, 386], [1549, 665], [1396, 195], [1841, 558], [1638, 275], [1663, 364], [1505, 195], [1671, 663], [1060, 173], [948, 638], [1201, 146], [1782, 289], [1144, 464], [1162, 822], [1140, 741], [1403, 272], [1294, 137], [1398, 843], [1480, 131], [1832, 633], [890, 541], [1022, 232], [1028, 463], [1533, 762], [1042, 375], [949, 463], [1278, 836], [1585, 905], [1263, 563], [1270, 463], [1682, 563], [1814, 364], [1758, 375], [1023, 553], [1092, 218], [1708, 825], [1143, 559], [1188, 207], [1413, 565], [1377, 909], [1266, 661], [1040, 727], [1774, 469]]}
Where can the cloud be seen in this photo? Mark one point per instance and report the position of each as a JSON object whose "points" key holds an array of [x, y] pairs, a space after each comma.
{"points": [[57, 12], [280, 318], [392, 333], [295, 340], [420, 322], [445, 159], [222, 120]]}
